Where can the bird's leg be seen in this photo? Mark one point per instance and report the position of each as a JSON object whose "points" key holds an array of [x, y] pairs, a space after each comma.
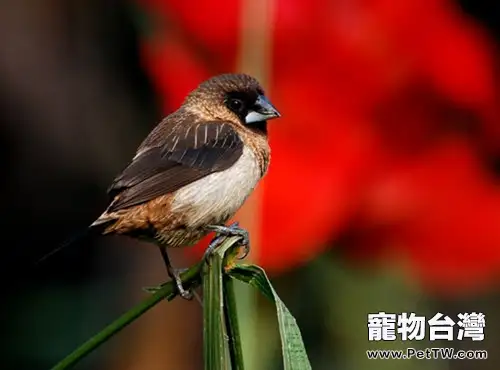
{"points": [[175, 275], [232, 230]]}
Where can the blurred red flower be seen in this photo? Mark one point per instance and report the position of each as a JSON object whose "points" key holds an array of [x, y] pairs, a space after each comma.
{"points": [[389, 119]]}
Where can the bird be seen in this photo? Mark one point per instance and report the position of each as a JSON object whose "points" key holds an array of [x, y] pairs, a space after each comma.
{"points": [[194, 170]]}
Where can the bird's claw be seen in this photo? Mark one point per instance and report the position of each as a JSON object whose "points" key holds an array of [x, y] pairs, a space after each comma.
{"points": [[211, 248], [175, 275], [232, 230], [246, 251]]}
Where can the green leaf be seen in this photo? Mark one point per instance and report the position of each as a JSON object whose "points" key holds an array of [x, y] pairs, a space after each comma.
{"points": [[232, 324], [294, 353], [214, 335], [213, 316], [219, 313]]}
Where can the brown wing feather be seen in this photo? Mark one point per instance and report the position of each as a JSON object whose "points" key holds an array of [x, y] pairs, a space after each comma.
{"points": [[190, 153]]}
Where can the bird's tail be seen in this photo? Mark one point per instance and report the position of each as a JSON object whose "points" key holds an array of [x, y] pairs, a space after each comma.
{"points": [[95, 229]]}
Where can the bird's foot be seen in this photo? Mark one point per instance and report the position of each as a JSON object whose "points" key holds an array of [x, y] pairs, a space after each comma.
{"points": [[232, 230], [155, 289], [175, 274], [211, 248]]}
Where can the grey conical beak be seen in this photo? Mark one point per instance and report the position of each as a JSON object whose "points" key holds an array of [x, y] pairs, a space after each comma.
{"points": [[262, 110]]}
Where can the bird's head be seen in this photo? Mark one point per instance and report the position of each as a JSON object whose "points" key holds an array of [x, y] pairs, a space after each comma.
{"points": [[238, 98]]}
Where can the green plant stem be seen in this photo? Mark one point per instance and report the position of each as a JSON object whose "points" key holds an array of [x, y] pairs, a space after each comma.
{"points": [[190, 279], [231, 318], [213, 329], [213, 317]]}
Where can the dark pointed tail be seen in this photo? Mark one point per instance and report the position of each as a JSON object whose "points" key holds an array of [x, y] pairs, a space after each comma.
{"points": [[86, 234]]}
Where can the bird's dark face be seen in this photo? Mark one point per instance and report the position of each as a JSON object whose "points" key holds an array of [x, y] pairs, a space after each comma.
{"points": [[238, 98], [250, 106]]}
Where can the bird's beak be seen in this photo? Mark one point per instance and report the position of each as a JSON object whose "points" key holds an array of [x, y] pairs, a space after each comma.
{"points": [[262, 110]]}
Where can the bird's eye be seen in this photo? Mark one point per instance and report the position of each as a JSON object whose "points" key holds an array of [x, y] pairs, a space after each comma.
{"points": [[236, 105]]}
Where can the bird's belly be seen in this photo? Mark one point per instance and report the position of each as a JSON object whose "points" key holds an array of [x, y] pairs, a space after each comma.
{"points": [[216, 197]]}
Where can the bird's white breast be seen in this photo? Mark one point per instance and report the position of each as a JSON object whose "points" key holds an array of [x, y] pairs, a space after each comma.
{"points": [[216, 197]]}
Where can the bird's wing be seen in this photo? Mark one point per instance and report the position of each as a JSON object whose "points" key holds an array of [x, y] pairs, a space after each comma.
{"points": [[190, 153]]}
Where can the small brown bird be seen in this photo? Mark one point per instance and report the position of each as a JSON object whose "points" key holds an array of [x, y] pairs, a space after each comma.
{"points": [[195, 169]]}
